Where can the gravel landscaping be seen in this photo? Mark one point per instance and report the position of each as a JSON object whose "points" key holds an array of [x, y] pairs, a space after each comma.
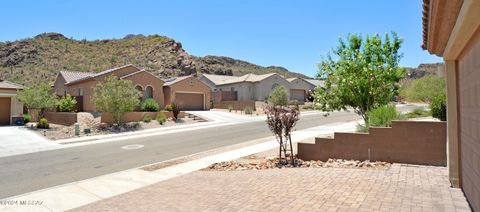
{"points": [[92, 121]]}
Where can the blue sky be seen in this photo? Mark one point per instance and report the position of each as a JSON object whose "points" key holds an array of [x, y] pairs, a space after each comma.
{"points": [[292, 34]]}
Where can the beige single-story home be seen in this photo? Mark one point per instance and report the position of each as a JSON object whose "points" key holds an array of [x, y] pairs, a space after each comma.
{"points": [[451, 29], [10, 107], [81, 84], [248, 87], [187, 91], [300, 87]]}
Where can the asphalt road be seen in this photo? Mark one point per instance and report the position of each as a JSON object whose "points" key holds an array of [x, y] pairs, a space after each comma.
{"points": [[29, 172]]}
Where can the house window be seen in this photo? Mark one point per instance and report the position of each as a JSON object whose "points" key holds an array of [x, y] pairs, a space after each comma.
{"points": [[148, 92], [232, 89], [80, 92]]}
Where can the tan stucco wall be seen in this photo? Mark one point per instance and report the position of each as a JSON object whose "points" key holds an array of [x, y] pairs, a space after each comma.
{"points": [[245, 90], [301, 84], [188, 85], [263, 88], [59, 85], [145, 79], [88, 86], [469, 119], [16, 107]]}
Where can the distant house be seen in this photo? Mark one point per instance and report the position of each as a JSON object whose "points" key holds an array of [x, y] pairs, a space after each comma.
{"points": [[258, 87], [188, 91], [10, 107], [81, 84], [300, 87], [248, 87]]}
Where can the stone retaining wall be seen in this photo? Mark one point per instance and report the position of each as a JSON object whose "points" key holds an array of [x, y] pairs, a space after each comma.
{"points": [[62, 118], [412, 142]]}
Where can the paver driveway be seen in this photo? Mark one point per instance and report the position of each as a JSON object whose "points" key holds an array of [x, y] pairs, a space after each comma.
{"points": [[401, 188]]}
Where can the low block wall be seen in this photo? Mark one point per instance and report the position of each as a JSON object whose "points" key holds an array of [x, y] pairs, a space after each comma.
{"points": [[237, 105], [422, 143], [138, 116], [62, 118]]}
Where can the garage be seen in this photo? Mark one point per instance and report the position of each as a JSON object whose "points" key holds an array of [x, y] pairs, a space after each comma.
{"points": [[190, 101], [297, 94], [5, 103]]}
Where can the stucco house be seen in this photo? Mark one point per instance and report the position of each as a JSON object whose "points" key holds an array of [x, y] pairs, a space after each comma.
{"points": [[188, 91], [10, 107], [249, 86], [451, 29], [300, 87], [81, 84]]}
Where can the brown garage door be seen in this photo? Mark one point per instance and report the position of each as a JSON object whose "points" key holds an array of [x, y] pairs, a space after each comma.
{"points": [[190, 101], [297, 94], [4, 111]]}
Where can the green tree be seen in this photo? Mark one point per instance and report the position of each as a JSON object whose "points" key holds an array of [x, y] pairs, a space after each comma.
{"points": [[425, 89], [38, 98], [115, 96], [363, 74], [279, 96]]}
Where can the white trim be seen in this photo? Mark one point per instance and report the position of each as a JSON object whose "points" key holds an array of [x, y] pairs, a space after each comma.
{"points": [[7, 94]]}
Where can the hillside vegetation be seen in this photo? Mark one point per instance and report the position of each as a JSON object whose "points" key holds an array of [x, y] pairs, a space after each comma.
{"points": [[42, 57]]}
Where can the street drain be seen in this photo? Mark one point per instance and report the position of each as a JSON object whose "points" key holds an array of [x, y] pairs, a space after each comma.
{"points": [[132, 146]]}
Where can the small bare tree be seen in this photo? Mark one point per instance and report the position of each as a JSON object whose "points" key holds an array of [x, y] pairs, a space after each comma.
{"points": [[281, 120]]}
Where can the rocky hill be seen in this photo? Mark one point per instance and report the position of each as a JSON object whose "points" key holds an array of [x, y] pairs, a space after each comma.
{"points": [[42, 57], [426, 69]]}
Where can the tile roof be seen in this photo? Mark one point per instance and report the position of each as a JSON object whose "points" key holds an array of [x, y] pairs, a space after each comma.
{"points": [[93, 75], [71, 76], [173, 80], [9, 85], [315, 82], [223, 79]]}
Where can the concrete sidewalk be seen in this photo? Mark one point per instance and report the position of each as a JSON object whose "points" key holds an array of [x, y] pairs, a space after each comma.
{"points": [[72, 195]]}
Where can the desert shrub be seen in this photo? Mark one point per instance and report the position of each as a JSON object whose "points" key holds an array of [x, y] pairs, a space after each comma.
{"points": [[230, 108], [168, 107], [26, 118], [383, 116], [279, 96], [146, 119], [161, 119], [43, 124], [438, 106], [418, 112], [149, 105], [176, 108], [248, 110], [425, 89], [67, 104]]}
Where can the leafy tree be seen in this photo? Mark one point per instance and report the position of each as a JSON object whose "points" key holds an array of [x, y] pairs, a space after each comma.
{"points": [[279, 96], [438, 106], [115, 96], [363, 75], [426, 88], [38, 98], [67, 104]]}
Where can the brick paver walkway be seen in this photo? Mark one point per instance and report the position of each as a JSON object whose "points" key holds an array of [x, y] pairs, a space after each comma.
{"points": [[401, 188]]}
